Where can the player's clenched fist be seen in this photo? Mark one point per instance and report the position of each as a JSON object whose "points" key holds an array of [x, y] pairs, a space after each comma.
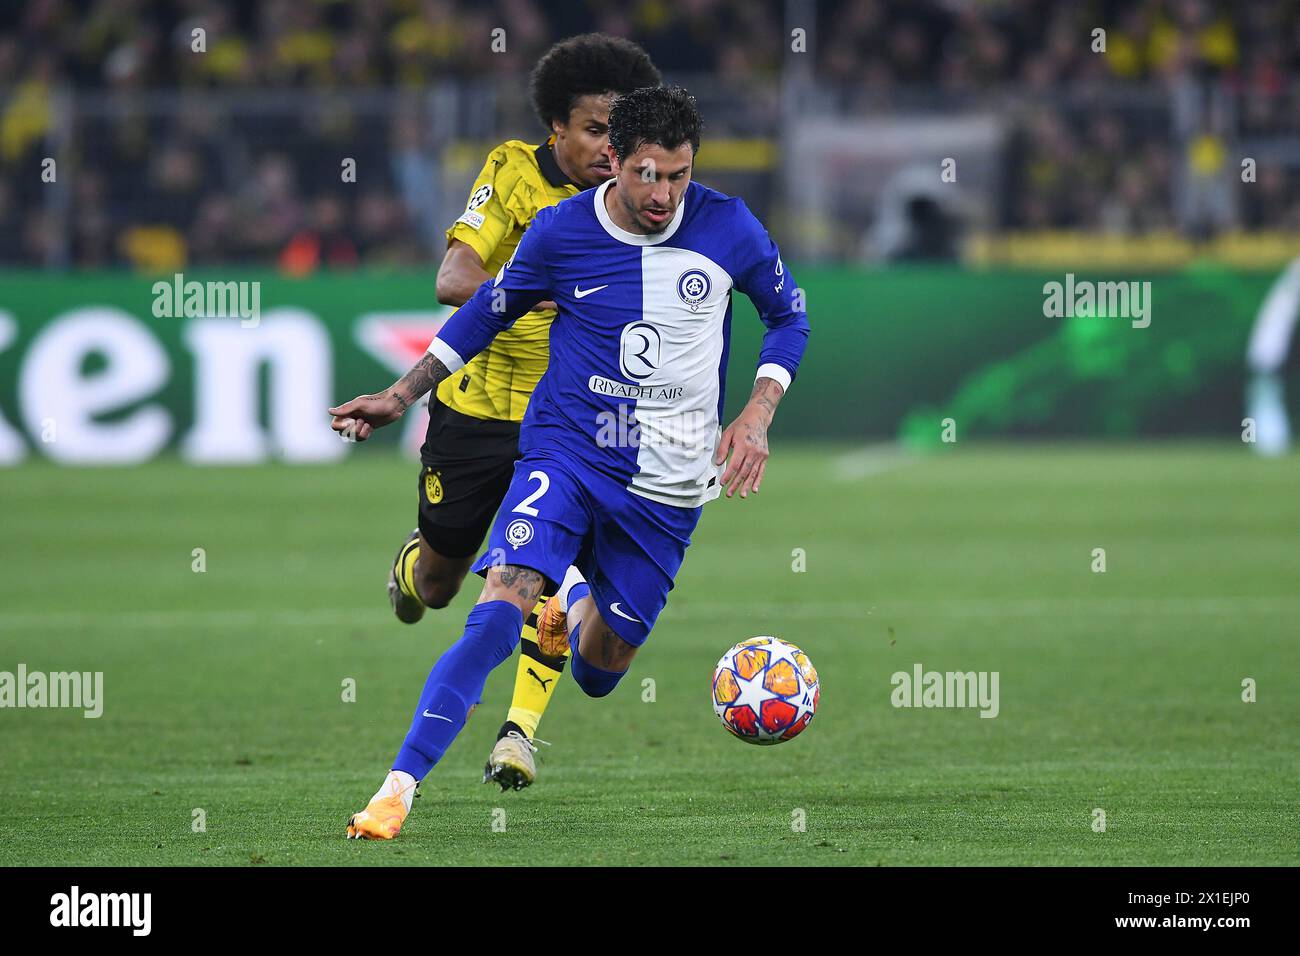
{"points": [[355, 420]]}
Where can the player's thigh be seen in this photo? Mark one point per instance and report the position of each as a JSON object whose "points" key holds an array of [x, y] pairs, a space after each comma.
{"points": [[543, 520], [436, 568], [638, 548], [467, 467]]}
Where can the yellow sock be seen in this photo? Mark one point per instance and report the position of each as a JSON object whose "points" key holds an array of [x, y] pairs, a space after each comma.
{"points": [[406, 568], [535, 678]]}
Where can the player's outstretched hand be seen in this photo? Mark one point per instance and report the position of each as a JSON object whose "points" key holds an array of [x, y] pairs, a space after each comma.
{"points": [[746, 440], [357, 419]]}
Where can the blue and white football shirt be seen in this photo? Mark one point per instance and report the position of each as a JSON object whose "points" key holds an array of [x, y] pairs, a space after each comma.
{"points": [[639, 347]]}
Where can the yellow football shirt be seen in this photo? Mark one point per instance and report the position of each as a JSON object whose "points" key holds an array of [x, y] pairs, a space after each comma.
{"points": [[518, 181]]}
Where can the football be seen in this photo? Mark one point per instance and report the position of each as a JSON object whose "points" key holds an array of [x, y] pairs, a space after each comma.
{"points": [[765, 690]]}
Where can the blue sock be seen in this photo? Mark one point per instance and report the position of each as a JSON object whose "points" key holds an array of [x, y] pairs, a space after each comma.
{"points": [[594, 681], [578, 592], [456, 682]]}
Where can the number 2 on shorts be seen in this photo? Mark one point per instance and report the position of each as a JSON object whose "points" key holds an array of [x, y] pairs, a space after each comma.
{"points": [[525, 507]]}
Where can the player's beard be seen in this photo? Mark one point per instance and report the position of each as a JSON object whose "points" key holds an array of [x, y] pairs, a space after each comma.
{"points": [[634, 214]]}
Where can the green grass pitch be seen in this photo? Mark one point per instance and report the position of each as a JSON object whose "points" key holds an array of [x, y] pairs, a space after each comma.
{"points": [[1119, 690]]}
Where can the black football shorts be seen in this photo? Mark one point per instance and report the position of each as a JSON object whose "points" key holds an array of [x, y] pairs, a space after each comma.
{"points": [[467, 464]]}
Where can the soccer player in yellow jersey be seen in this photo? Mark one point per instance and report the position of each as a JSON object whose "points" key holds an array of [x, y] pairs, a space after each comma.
{"points": [[472, 444]]}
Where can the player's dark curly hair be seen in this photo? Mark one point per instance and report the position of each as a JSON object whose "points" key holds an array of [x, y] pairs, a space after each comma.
{"points": [[591, 63], [665, 115]]}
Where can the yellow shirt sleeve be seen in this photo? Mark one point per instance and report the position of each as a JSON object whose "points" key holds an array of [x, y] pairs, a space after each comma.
{"points": [[488, 219]]}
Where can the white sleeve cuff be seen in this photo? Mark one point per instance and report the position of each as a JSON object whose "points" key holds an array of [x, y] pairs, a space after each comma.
{"points": [[447, 355], [770, 370]]}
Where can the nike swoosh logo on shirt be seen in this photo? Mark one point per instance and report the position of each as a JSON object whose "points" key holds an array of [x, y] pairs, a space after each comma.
{"points": [[438, 717], [627, 617], [583, 293]]}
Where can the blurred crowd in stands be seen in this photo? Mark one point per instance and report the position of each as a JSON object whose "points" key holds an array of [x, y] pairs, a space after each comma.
{"points": [[153, 188]]}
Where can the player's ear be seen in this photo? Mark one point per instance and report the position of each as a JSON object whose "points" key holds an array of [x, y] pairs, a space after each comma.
{"points": [[614, 164]]}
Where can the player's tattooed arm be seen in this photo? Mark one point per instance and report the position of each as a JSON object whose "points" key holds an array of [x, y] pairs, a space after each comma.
{"points": [[359, 418], [767, 395], [423, 376], [746, 440]]}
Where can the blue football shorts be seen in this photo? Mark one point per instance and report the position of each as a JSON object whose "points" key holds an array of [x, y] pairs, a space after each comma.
{"points": [[558, 512]]}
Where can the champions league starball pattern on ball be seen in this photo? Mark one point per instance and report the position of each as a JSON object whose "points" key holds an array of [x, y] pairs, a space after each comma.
{"points": [[765, 690]]}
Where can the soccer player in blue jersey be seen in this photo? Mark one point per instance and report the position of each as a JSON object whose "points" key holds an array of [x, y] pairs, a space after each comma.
{"points": [[621, 444]]}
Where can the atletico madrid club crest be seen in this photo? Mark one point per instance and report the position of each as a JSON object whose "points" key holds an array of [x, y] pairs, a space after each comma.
{"points": [[693, 287], [518, 533]]}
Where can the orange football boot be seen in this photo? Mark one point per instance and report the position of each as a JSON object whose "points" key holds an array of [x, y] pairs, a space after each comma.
{"points": [[553, 629], [380, 820]]}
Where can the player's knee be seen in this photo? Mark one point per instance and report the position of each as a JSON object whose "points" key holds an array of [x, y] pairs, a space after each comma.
{"points": [[437, 592], [594, 681], [516, 585]]}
